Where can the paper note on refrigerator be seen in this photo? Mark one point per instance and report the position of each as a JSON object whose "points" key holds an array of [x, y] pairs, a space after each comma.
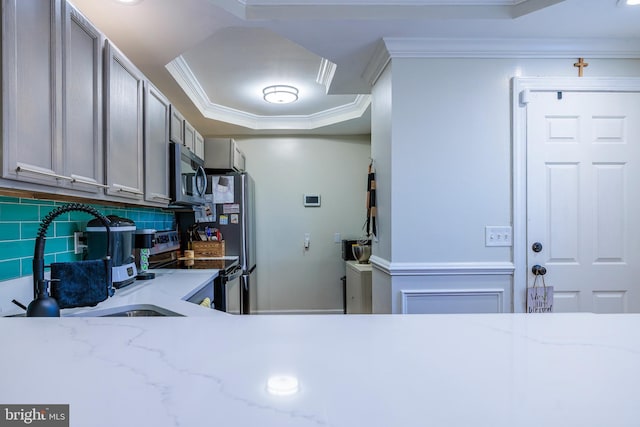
{"points": [[231, 208], [222, 189]]}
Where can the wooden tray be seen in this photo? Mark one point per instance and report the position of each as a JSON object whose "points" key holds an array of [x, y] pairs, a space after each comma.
{"points": [[208, 249]]}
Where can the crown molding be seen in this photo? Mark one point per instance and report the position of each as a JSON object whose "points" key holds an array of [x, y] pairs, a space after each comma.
{"points": [[255, 10], [392, 47], [378, 62], [325, 73], [184, 76]]}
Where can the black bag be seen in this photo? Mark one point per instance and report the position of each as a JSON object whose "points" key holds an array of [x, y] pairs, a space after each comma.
{"points": [[81, 283]]}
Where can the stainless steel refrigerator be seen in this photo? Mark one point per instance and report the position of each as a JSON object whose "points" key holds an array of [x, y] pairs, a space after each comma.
{"points": [[234, 198]]}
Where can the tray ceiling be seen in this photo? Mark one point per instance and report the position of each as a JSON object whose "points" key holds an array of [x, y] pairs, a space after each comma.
{"points": [[213, 57]]}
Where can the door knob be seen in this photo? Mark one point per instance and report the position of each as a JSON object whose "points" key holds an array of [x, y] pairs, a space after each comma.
{"points": [[536, 247], [538, 270]]}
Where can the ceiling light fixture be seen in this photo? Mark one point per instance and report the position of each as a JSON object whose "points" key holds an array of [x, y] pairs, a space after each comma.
{"points": [[282, 385], [128, 2], [628, 2], [280, 94]]}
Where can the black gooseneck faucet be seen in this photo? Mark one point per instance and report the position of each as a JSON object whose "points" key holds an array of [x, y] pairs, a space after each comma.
{"points": [[43, 304]]}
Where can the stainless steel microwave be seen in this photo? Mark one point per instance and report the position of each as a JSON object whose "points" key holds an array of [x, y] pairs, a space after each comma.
{"points": [[188, 179]]}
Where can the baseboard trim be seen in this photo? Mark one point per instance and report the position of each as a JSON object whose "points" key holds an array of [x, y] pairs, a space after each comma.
{"points": [[442, 269]]}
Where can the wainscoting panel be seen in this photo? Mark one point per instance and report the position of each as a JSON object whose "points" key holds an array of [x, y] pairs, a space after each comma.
{"points": [[451, 287], [437, 301]]}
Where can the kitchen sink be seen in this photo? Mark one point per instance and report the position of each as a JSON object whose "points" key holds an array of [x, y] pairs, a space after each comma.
{"points": [[135, 313], [140, 313], [136, 310]]}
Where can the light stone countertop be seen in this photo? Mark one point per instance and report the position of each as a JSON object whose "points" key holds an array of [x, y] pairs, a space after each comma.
{"points": [[494, 370]]}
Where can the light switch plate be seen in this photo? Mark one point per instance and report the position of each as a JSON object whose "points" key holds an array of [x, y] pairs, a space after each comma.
{"points": [[498, 235]]}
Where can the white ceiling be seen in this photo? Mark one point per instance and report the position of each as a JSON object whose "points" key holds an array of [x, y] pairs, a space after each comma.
{"points": [[213, 57]]}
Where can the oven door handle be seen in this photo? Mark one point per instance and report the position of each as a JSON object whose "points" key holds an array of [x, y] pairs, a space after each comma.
{"points": [[233, 275]]}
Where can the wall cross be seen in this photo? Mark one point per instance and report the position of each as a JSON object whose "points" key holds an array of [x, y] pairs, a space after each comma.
{"points": [[580, 65]]}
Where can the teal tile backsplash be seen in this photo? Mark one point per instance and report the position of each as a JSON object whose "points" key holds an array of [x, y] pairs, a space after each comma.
{"points": [[20, 220]]}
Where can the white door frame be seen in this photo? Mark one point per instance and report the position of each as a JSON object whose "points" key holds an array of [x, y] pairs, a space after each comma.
{"points": [[521, 87]]}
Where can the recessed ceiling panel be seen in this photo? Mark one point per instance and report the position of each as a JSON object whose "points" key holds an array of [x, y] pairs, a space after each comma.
{"points": [[235, 78]]}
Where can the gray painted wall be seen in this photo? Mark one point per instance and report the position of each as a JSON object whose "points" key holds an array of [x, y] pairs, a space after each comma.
{"points": [[291, 279]]}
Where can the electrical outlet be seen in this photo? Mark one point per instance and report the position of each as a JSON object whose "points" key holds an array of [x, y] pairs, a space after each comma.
{"points": [[337, 238], [78, 246], [498, 236]]}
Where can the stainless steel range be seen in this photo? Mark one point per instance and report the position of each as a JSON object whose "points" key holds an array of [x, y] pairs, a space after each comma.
{"points": [[226, 287]]}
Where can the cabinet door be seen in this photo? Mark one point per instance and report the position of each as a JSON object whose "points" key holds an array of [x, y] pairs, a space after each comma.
{"points": [[82, 86], [31, 94], [189, 136], [198, 147], [177, 126], [156, 146], [237, 158], [123, 125], [358, 287]]}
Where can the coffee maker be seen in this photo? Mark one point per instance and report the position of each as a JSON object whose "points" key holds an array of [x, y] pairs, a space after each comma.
{"points": [[122, 244]]}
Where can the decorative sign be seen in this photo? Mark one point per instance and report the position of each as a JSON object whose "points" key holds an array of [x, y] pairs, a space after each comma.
{"points": [[540, 299]]}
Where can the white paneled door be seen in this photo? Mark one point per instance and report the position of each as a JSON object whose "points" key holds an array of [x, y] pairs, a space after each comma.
{"points": [[583, 198]]}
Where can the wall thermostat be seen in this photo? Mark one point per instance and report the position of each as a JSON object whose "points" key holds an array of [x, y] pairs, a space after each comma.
{"points": [[311, 200]]}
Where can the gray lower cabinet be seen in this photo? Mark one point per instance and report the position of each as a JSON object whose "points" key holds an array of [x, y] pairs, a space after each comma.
{"points": [[156, 146], [358, 288], [123, 125], [52, 96]]}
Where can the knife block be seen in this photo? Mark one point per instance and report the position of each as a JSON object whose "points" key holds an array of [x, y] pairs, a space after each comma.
{"points": [[208, 249]]}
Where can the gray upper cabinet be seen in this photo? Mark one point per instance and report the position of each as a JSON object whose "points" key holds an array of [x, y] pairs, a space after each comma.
{"points": [[156, 146], [123, 125], [223, 154], [52, 96], [198, 146], [31, 93], [82, 112], [177, 126], [189, 136], [73, 111]]}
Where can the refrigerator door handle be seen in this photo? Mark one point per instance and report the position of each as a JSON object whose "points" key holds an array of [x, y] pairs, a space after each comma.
{"points": [[245, 292]]}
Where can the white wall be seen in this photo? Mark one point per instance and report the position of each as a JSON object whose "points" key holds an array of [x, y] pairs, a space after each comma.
{"points": [[452, 133], [284, 168], [381, 152], [450, 175]]}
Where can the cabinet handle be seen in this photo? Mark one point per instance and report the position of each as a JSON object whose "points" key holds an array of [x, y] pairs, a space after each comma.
{"points": [[130, 190], [82, 181], [45, 173], [160, 197]]}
